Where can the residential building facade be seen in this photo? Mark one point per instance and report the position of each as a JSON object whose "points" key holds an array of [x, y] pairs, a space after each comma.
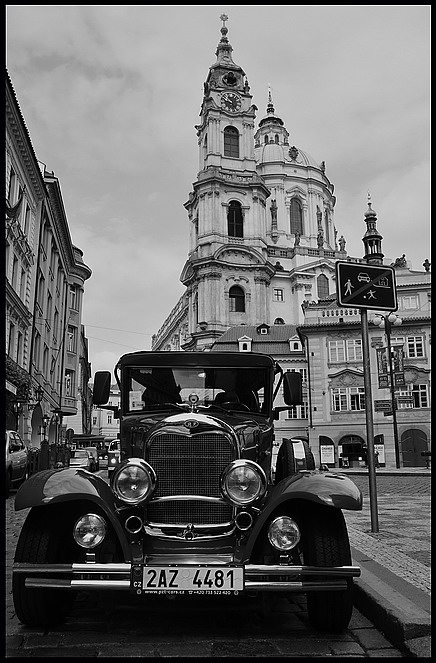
{"points": [[45, 277]]}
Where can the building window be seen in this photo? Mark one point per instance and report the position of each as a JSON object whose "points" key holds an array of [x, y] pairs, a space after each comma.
{"points": [[357, 398], [69, 383], [71, 339], [354, 350], [339, 400], [73, 298], [14, 281], [415, 346], [348, 398], [278, 295], [27, 220], [237, 299], [19, 354], [409, 302], [296, 216], [340, 351], [231, 142], [94, 421], [11, 341], [298, 412], [235, 225], [418, 394], [12, 185], [279, 321], [23, 284], [323, 286], [109, 418], [336, 351]]}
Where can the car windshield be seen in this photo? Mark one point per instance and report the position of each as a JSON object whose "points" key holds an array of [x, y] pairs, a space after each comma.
{"points": [[237, 388], [81, 454]]}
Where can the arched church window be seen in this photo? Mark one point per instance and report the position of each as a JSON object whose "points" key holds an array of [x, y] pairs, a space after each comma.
{"points": [[323, 286], [276, 138], [237, 299], [279, 321], [235, 225], [266, 140], [296, 216], [231, 142]]}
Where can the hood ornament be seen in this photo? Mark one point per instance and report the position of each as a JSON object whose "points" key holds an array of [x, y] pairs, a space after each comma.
{"points": [[193, 400]]}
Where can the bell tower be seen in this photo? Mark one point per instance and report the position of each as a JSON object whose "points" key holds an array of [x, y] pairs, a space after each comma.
{"points": [[227, 273]]}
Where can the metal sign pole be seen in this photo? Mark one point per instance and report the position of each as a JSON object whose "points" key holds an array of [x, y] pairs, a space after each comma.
{"points": [[369, 421]]}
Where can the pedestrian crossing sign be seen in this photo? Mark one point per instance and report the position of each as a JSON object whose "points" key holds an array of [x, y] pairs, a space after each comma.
{"points": [[366, 286]]}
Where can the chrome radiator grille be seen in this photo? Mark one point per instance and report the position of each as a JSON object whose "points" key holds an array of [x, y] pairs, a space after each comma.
{"points": [[189, 465]]}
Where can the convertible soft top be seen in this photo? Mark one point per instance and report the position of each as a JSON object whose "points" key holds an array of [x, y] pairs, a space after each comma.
{"points": [[230, 359]]}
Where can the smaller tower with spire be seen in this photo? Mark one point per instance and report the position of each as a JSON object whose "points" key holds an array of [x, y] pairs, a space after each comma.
{"points": [[372, 239]]}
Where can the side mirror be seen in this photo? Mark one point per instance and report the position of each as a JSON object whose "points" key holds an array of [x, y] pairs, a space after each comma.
{"points": [[293, 388], [102, 388]]}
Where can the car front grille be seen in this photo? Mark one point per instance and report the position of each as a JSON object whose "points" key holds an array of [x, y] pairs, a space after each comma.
{"points": [[189, 465]]}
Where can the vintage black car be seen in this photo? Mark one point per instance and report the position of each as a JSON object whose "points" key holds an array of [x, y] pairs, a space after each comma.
{"points": [[195, 505]]}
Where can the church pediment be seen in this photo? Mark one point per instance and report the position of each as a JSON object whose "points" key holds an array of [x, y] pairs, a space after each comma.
{"points": [[296, 190], [239, 255], [187, 272]]}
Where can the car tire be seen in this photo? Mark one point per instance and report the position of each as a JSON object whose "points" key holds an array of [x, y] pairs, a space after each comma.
{"points": [[44, 539], [324, 542], [286, 464]]}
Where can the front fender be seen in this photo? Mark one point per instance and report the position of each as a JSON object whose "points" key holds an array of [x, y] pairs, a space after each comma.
{"points": [[328, 489], [52, 486], [68, 485]]}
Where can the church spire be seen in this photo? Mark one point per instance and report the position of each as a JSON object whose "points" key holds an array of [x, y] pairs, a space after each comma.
{"points": [[372, 239]]}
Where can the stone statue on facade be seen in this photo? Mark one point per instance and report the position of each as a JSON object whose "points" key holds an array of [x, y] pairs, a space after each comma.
{"points": [[320, 239]]}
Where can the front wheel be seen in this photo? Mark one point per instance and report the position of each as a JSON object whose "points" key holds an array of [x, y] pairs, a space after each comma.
{"points": [[44, 539], [325, 542]]}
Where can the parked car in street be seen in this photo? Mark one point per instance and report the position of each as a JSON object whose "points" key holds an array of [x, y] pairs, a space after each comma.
{"points": [[102, 458], [17, 460], [193, 506], [82, 458]]}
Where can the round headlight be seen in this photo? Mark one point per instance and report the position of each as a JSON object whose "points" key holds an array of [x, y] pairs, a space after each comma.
{"points": [[133, 481], [89, 530], [243, 482], [284, 533]]}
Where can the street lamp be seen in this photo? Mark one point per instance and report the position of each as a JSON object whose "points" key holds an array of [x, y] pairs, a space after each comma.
{"points": [[388, 321], [45, 423]]}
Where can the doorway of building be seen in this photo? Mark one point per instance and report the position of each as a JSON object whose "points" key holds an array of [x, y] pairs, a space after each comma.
{"points": [[353, 451], [413, 443]]}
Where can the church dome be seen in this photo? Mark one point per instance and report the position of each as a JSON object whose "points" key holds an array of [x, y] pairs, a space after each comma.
{"points": [[273, 152]]}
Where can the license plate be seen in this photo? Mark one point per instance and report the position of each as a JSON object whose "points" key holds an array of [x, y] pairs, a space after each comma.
{"points": [[187, 579]]}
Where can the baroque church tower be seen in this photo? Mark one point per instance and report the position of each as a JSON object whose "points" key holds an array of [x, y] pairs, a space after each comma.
{"points": [[261, 216]]}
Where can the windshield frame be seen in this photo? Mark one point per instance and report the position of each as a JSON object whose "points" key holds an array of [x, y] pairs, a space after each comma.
{"points": [[216, 386]]}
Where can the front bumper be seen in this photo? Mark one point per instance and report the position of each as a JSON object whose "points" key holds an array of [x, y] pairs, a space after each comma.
{"points": [[117, 576]]}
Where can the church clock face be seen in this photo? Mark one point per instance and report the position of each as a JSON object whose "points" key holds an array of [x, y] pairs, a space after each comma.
{"points": [[231, 102]]}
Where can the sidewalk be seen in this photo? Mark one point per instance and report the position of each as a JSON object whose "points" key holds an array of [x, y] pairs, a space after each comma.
{"points": [[394, 589]]}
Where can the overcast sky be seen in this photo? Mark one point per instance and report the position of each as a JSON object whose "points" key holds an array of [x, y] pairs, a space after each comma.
{"points": [[111, 94]]}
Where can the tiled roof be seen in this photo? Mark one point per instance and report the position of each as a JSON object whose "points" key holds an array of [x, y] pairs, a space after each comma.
{"points": [[274, 343]]}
